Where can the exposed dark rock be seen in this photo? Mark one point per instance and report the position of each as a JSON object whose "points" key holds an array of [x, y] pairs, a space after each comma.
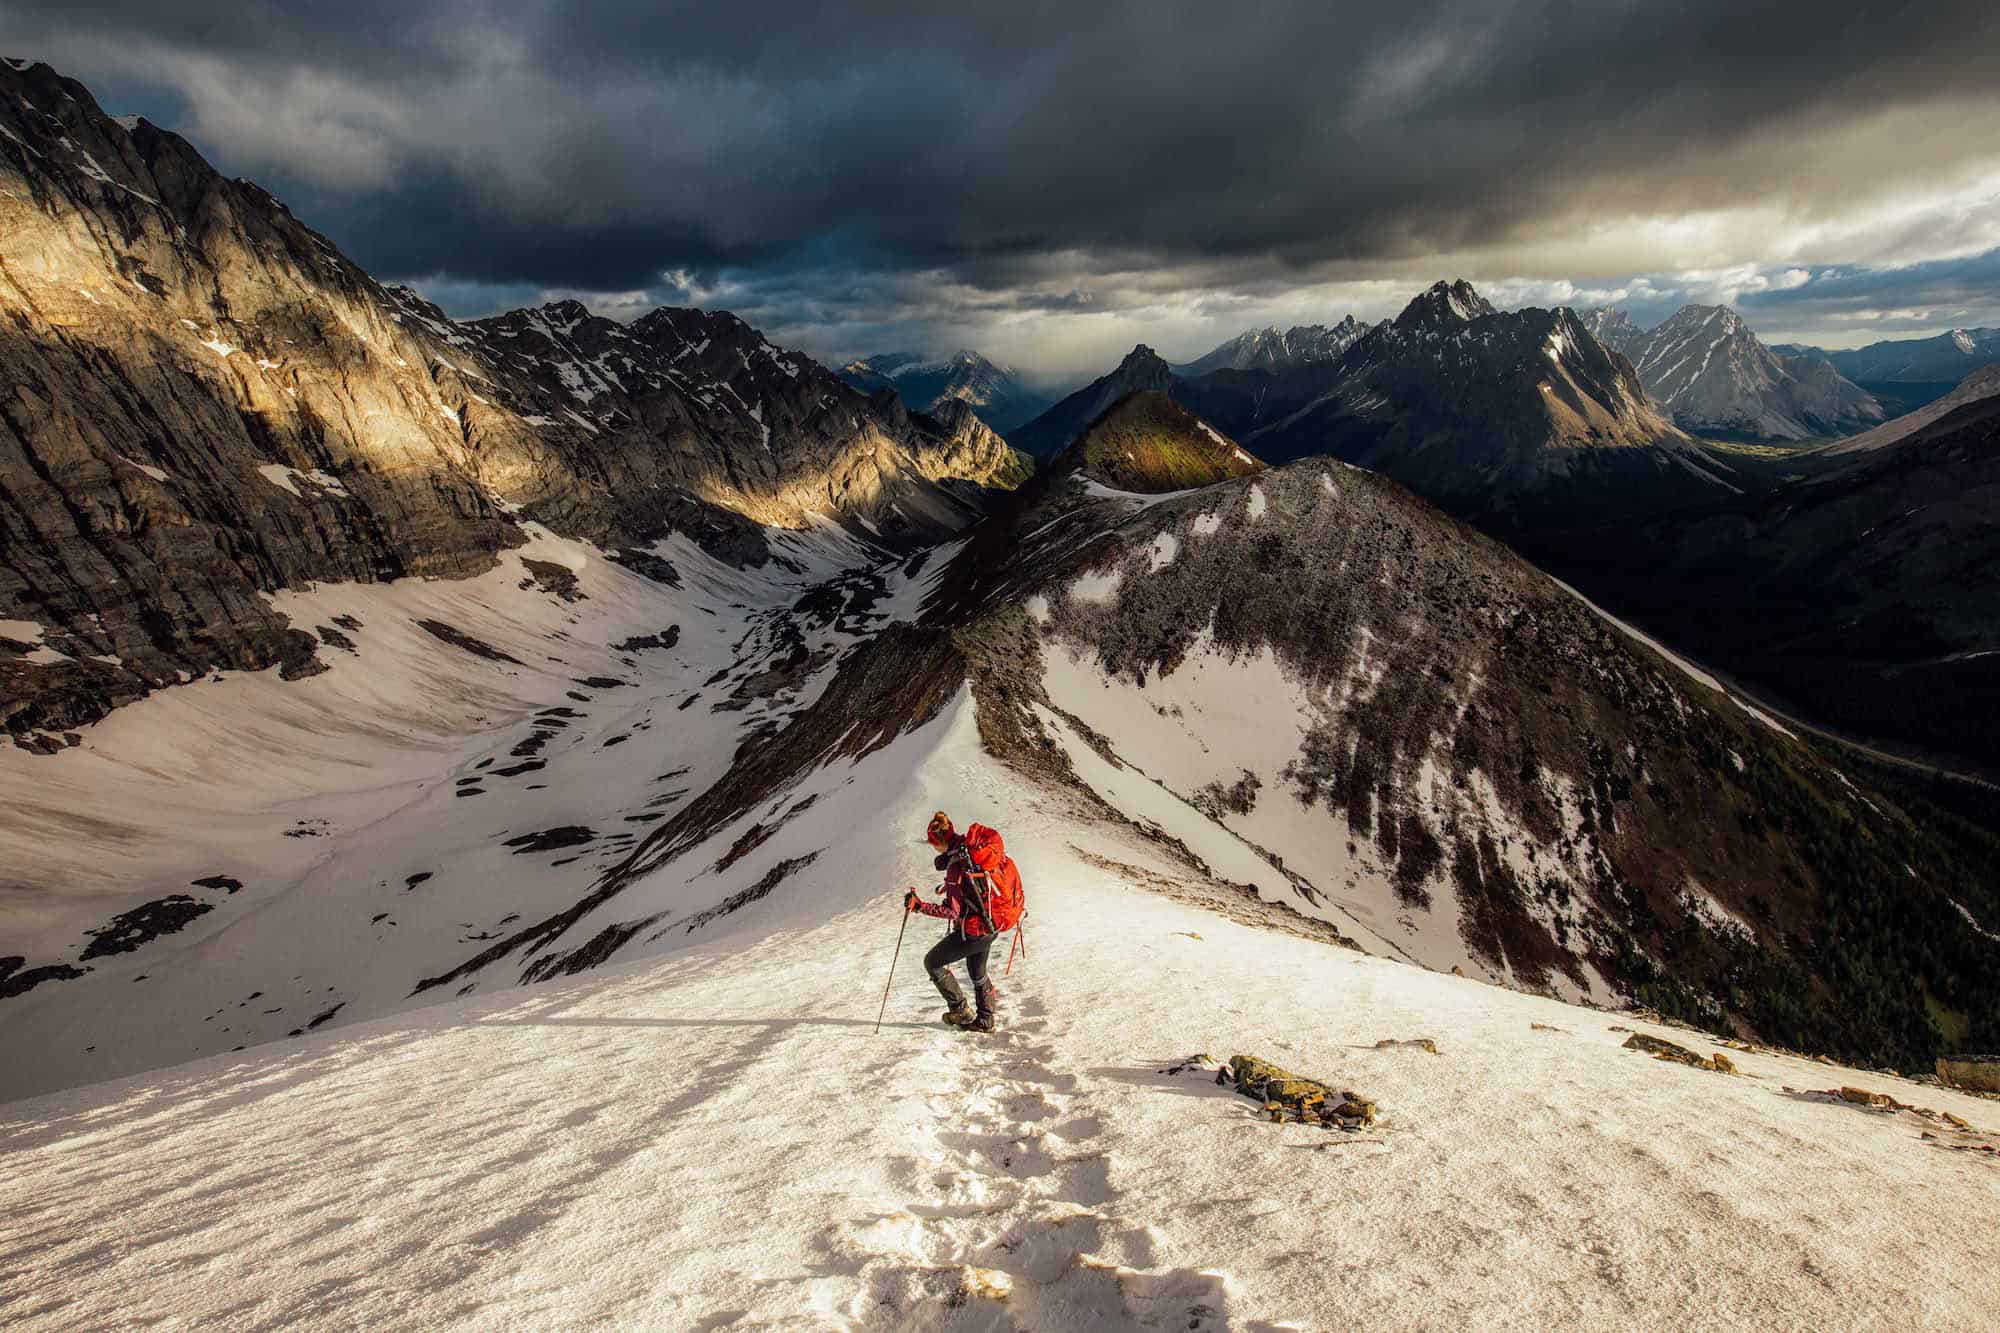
{"points": [[736, 902], [665, 639], [333, 638], [558, 581], [223, 882], [551, 840], [460, 639], [20, 983], [129, 930]]}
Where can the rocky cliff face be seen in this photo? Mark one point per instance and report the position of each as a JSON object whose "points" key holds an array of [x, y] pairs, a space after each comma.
{"points": [[204, 401], [1714, 375]]}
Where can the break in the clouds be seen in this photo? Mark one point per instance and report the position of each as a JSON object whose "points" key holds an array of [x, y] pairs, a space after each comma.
{"points": [[1053, 183]]}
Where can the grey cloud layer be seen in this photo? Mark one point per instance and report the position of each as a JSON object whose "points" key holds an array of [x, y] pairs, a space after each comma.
{"points": [[1016, 146]]}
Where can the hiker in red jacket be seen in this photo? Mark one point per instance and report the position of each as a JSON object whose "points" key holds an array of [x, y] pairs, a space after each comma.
{"points": [[979, 904]]}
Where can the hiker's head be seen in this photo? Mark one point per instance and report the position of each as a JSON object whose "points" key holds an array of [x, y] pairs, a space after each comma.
{"points": [[939, 833]]}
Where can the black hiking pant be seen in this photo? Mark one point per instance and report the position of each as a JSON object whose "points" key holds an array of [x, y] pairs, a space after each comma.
{"points": [[972, 951]]}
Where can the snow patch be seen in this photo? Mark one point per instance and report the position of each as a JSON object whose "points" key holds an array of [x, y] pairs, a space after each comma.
{"points": [[1099, 586]]}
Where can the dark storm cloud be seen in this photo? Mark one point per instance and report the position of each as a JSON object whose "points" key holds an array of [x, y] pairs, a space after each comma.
{"points": [[592, 146]]}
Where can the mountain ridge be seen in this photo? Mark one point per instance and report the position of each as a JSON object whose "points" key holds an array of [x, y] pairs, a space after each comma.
{"points": [[212, 403]]}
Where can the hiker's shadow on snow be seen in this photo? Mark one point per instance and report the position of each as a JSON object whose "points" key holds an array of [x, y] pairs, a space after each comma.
{"points": [[1189, 1082], [775, 1024]]}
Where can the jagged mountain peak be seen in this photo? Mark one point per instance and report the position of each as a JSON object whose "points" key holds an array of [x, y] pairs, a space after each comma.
{"points": [[1053, 431], [1446, 303]]}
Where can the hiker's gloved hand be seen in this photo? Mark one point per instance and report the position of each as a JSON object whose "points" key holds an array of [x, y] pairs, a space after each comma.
{"points": [[910, 900]]}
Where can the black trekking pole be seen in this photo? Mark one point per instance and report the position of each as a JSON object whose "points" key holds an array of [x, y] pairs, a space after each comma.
{"points": [[892, 971]]}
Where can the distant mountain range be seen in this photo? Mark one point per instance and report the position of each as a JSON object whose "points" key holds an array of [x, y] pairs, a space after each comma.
{"points": [[1715, 377], [1482, 411], [1268, 349], [994, 392], [1944, 359]]}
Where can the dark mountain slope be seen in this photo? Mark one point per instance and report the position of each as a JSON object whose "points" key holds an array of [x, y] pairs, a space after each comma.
{"points": [[1493, 415], [1864, 597]]}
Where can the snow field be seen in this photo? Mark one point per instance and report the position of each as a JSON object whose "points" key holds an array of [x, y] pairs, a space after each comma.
{"points": [[326, 797], [719, 1139]]}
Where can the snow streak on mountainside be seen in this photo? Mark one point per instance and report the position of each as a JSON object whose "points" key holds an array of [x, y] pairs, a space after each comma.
{"points": [[208, 402], [1714, 375], [996, 393]]}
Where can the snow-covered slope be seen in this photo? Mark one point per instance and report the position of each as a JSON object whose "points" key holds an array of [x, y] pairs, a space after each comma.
{"points": [[720, 1139], [228, 862]]}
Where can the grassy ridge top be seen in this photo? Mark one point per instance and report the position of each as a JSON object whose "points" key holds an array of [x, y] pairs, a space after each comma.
{"points": [[1149, 443]]}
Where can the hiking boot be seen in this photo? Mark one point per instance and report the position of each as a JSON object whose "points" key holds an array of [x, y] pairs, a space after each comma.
{"points": [[982, 1023], [960, 1015]]}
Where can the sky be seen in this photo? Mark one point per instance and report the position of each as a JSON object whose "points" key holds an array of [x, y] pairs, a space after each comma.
{"points": [[1052, 183]]}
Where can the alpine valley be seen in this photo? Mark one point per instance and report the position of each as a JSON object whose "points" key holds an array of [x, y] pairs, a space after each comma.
{"points": [[509, 740]]}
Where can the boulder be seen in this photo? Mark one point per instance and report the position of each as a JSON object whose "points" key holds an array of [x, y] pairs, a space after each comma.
{"points": [[1680, 1055], [1283, 1092]]}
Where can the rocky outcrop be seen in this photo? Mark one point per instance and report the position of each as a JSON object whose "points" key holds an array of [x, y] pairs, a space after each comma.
{"points": [[204, 401], [1976, 1073]]}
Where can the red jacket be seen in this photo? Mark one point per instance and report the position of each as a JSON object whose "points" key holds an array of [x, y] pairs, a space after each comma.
{"points": [[960, 904]]}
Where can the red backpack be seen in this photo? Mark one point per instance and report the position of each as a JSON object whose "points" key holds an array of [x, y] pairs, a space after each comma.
{"points": [[1005, 899]]}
